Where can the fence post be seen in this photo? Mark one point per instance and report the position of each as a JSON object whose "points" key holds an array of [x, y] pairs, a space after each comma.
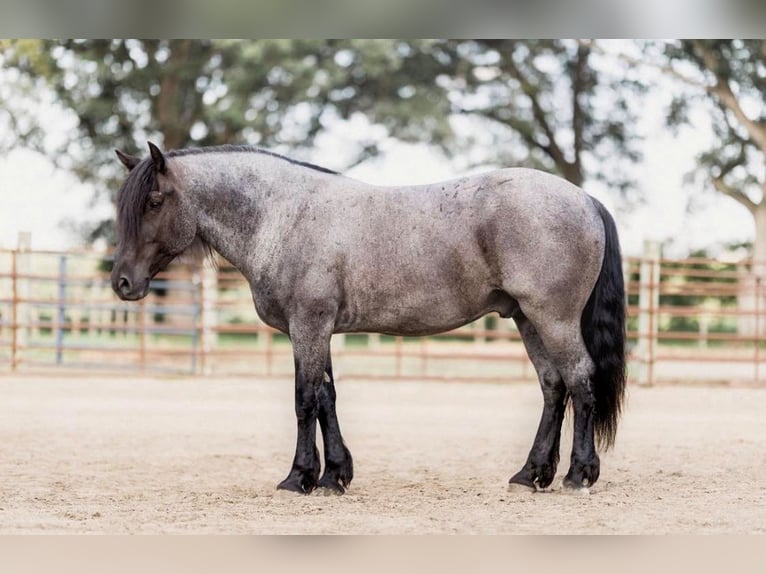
{"points": [[209, 315], [648, 302], [20, 327], [480, 330], [269, 342], [61, 312], [14, 310], [373, 340], [398, 347], [757, 338], [338, 343], [142, 326]]}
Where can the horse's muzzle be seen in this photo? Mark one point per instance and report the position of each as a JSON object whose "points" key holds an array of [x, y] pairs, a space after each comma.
{"points": [[128, 290]]}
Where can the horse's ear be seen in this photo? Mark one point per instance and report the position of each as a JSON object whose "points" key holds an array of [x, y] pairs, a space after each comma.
{"points": [[128, 161], [157, 158]]}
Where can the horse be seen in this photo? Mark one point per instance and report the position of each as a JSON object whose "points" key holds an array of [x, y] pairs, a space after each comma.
{"points": [[324, 253]]}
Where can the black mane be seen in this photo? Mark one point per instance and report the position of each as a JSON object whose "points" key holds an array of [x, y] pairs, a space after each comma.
{"points": [[142, 180], [245, 148], [132, 197]]}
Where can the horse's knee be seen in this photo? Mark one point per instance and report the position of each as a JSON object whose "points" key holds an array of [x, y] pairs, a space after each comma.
{"points": [[554, 391], [577, 374], [550, 379], [581, 392]]}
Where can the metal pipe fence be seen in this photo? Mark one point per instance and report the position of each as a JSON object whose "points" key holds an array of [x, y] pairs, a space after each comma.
{"points": [[688, 320]]}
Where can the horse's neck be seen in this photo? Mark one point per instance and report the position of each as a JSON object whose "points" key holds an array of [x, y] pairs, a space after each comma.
{"points": [[234, 198]]}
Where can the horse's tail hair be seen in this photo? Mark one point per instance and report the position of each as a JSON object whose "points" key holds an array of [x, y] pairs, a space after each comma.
{"points": [[603, 329]]}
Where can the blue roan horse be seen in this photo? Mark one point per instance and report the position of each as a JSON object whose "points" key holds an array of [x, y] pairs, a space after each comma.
{"points": [[326, 254]]}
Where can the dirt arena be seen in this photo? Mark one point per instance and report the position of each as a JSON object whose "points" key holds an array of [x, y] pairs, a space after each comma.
{"points": [[116, 455]]}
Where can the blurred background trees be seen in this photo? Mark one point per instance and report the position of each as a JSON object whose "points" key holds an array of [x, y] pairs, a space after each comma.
{"points": [[561, 105], [491, 103], [727, 78]]}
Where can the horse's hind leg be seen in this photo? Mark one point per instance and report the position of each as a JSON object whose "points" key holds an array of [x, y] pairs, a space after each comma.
{"points": [[543, 458], [339, 466], [564, 343]]}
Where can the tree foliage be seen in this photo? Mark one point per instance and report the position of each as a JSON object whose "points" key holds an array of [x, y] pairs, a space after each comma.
{"points": [[729, 78], [543, 104], [558, 104], [176, 92]]}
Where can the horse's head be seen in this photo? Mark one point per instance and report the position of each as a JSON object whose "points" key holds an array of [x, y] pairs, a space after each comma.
{"points": [[155, 223]]}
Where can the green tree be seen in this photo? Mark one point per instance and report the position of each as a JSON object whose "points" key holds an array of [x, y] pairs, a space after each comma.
{"points": [[728, 78], [543, 104], [176, 92]]}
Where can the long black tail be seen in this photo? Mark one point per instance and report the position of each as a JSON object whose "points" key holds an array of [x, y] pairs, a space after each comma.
{"points": [[603, 329]]}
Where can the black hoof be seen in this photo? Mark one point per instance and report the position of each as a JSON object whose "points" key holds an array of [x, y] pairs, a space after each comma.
{"points": [[302, 479], [535, 475], [582, 474], [337, 476], [299, 481], [522, 479], [331, 484]]}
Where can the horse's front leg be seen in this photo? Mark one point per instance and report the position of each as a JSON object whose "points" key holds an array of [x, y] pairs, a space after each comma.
{"points": [[311, 347], [339, 466]]}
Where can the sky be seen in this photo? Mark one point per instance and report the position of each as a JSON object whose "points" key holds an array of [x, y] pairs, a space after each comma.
{"points": [[38, 198]]}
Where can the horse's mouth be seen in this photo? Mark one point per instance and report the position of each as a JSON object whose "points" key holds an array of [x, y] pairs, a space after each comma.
{"points": [[128, 292], [133, 296]]}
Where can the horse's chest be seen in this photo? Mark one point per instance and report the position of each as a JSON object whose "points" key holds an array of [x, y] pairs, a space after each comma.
{"points": [[269, 307]]}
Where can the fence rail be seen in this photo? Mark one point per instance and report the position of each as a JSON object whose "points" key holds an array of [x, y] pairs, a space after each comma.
{"points": [[688, 320]]}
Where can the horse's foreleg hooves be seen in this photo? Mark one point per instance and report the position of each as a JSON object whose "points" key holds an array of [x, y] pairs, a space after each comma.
{"points": [[525, 478], [583, 475], [333, 482], [535, 476], [294, 486], [337, 476], [298, 481]]}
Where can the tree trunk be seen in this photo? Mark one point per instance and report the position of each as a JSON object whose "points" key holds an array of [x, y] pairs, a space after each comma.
{"points": [[759, 244], [175, 108], [573, 173]]}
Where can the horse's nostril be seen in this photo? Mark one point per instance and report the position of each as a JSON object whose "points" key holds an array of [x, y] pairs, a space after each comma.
{"points": [[124, 284]]}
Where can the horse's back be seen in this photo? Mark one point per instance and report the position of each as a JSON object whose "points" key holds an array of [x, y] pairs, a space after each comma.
{"points": [[438, 255]]}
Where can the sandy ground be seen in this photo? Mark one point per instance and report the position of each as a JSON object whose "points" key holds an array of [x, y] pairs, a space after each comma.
{"points": [[97, 455]]}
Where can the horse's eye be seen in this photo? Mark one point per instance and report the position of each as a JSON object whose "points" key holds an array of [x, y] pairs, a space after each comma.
{"points": [[155, 204]]}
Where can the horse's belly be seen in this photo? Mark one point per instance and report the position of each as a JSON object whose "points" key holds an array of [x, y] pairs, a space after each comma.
{"points": [[422, 314]]}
